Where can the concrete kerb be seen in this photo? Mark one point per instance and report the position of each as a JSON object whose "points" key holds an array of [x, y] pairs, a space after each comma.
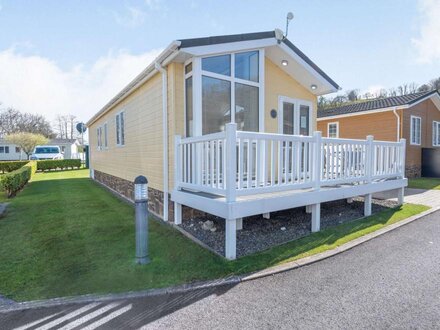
{"points": [[231, 280]]}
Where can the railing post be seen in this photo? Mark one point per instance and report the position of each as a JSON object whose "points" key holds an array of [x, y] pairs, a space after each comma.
{"points": [[231, 161], [317, 163], [369, 159], [403, 146], [177, 161]]}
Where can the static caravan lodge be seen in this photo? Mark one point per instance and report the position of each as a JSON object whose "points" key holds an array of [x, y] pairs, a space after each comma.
{"points": [[226, 125]]}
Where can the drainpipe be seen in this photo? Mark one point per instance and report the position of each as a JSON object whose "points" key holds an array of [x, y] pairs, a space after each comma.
{"points": [[161, 69], [398, 123]]}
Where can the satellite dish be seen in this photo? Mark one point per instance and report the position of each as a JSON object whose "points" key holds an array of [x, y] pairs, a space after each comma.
{"points": [[81, 128]]}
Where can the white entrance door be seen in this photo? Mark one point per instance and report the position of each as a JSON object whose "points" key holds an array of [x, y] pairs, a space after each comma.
{"points": [[294, 116]]}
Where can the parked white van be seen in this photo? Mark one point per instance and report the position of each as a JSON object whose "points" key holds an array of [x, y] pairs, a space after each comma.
{"points": [[47, 152]]}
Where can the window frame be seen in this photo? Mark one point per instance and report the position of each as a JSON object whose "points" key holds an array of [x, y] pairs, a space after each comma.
{"points": [[121, 132], [296, 106], [105, 127], [197, 74], [337, 129], [435, 133], [99, 138], [412, 131], [186, 76]]}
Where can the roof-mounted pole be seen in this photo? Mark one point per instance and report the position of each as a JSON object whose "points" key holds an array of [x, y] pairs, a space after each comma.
{"points": [[288, 19]]}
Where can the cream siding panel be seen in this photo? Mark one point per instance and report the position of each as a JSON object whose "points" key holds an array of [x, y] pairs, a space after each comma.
{"points": [[175, 113], [142, 153], [279, 83]]}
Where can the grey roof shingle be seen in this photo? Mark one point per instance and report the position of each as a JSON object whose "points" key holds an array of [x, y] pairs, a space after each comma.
{"points": [[375, 104]]}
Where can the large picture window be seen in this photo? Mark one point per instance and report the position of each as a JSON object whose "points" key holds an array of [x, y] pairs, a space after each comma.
{"points": [[229, 92], [246, 107], [216, 104], [416, 130]]}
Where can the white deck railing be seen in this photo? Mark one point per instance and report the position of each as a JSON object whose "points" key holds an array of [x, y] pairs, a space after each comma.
{"points": [[235, 163]]}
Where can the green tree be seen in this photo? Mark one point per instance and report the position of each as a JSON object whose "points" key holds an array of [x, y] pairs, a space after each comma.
{"points": [[26, 141]]}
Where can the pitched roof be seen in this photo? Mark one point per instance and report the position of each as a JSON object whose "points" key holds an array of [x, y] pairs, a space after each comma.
{"points": [[62, 141], [195, 42], [376, 104]]}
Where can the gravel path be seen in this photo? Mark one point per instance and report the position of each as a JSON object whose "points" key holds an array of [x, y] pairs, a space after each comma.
{"points": [[260, 234]]}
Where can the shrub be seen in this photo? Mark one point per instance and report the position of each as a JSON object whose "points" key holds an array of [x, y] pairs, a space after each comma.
{"points": [[12, 182], [60, 164], [10, 166]]}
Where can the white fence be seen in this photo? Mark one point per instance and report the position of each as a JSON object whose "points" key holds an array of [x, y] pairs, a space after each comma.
{"points": [[235, 163]]}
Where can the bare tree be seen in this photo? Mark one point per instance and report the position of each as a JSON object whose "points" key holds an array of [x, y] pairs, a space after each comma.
{"points": [[424, 88], [65, 126], [14, 121], [435, 83], [352, 95]]}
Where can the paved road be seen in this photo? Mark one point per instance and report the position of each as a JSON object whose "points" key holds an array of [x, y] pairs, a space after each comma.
{"points": [[390, 282]]}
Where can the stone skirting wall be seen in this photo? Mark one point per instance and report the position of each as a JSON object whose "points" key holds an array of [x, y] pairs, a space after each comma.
{"points": [[125, 188], [413, 171]]}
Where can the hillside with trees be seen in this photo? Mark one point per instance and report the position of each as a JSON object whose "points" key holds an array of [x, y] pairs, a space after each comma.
{"points": [[354, 95]]}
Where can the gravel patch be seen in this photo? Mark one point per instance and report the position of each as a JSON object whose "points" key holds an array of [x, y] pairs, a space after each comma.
{"points": [[259, 234]]}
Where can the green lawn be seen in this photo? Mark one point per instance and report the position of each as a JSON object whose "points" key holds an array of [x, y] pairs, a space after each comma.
{"points": [[424, 183], [65, 235]]}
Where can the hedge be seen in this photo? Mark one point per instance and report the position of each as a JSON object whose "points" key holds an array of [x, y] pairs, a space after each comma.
{"points": [[12, 182], [9, 166], [62, 164]]}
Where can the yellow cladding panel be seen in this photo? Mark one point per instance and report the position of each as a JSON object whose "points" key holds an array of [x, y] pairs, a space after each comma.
{"points": [[279, 83], [142, 153]]}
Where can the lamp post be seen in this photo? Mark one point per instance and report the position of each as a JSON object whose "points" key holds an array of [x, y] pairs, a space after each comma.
{"points": [[141, 204]]}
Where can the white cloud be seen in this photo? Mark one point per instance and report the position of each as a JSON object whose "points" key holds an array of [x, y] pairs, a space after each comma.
{"points": [[133, 17], [154, 4], [38, 85], [428, 43]]}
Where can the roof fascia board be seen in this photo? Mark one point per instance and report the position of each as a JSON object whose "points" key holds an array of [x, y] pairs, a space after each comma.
{"points": [[229, 47], [165, 57], [313, 72], [429, 96], [360, 113]]}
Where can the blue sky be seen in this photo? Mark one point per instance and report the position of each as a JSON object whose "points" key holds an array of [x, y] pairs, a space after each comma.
{"points": [[73, 56]]}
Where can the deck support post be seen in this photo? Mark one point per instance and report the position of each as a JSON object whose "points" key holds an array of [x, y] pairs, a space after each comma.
{"points": [[400, 196], [367, 204], [231, 239], [308, 209], [266, 215], [316, 217], [239, 223], [350, 200], [177, 213]]}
